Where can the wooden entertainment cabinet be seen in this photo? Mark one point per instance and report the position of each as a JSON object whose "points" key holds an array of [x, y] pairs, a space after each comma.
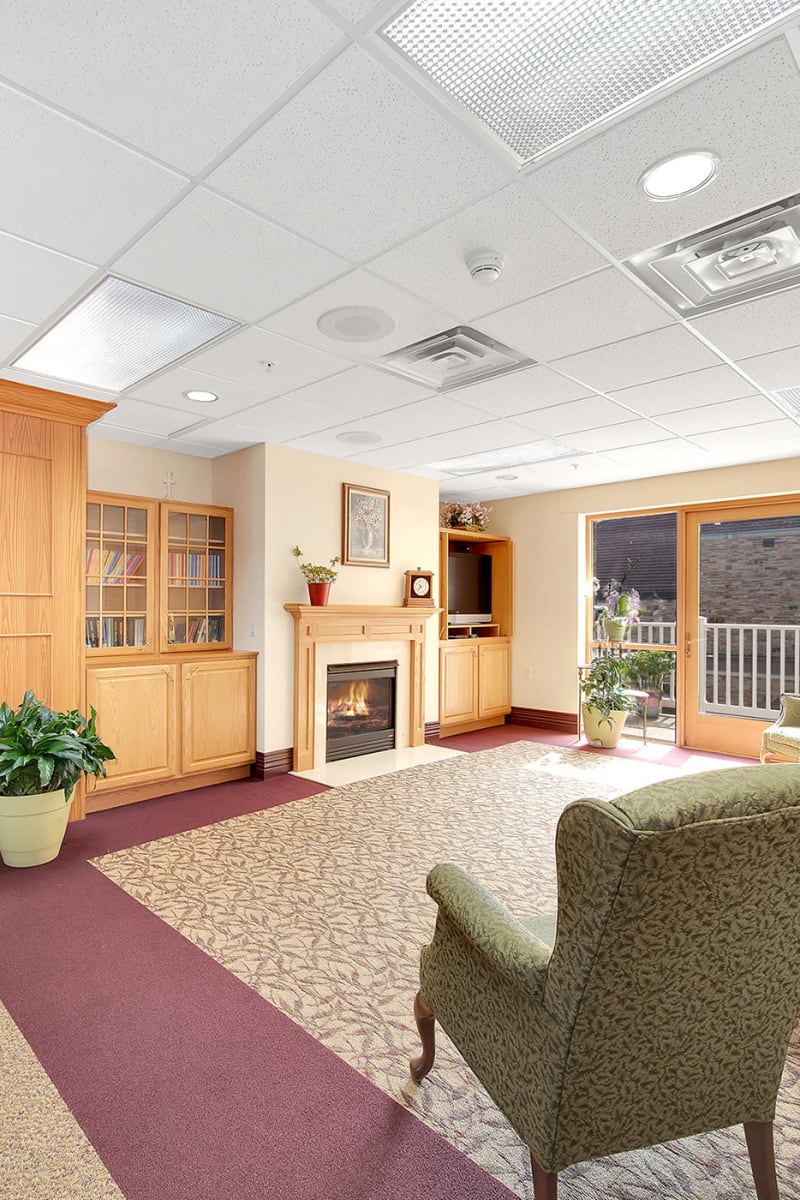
{"points": [[475, 659]]}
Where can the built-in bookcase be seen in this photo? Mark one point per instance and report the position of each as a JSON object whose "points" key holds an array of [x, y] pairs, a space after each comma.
{"points": [[120, 562], [196, 565]]}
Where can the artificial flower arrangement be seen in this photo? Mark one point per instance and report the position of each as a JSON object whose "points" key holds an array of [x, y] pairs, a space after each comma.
{"points": [[618, 603], [317, 574], [466, 515]]}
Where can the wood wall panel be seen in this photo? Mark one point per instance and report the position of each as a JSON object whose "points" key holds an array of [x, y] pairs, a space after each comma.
{"points": [[26, 563], [26, 661]]}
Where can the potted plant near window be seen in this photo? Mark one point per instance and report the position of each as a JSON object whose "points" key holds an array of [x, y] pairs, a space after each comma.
{"points": [[646, 671], [318, 578], [606, 702], [617, 610], [42, 756]]}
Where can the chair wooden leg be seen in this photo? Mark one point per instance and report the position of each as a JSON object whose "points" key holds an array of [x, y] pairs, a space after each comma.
{"points": [[426, 1024], [762, 1158], [545, 1183]]}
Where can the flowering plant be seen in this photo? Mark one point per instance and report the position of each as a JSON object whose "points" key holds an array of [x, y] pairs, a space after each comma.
{"points": [[474, 515], [616, 604], [317, 574]]}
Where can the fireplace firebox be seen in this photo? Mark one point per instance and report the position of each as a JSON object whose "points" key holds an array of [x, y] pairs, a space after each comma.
{"points": [[360, 709]]}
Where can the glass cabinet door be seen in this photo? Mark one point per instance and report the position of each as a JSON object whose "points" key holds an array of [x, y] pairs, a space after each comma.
{"points": [[196, 563], [119, 574]]}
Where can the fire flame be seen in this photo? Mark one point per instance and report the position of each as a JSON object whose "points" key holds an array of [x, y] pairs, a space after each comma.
{"points": [[355, 703]]}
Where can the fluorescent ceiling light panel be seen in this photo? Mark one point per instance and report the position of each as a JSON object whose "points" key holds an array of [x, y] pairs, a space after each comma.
{"points": [[118, 335], [537, 72], [523, 455]]}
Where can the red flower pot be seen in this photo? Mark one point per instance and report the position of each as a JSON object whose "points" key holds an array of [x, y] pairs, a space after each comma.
{"points": [[318, 593]]}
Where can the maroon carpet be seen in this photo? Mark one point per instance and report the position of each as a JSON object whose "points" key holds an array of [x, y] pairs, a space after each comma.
{"points": [[189, 1085]]}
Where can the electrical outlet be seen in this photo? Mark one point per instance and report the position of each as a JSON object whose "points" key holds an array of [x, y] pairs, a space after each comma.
{"points": [[527, 672]]}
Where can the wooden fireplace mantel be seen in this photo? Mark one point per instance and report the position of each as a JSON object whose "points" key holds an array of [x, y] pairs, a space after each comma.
{"points": [[314, 624]]}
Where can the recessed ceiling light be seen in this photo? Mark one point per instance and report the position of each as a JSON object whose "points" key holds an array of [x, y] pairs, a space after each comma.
{"points": [[538, 72], [201, 397], [679, 175], [359, 437], [356, 324], [118, 335]]}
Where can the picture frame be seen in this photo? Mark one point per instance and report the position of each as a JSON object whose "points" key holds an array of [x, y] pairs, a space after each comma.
{"points": [[365, 526]]}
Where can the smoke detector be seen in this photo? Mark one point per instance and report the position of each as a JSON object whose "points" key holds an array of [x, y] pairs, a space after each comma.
{"points": [[486, 267]]}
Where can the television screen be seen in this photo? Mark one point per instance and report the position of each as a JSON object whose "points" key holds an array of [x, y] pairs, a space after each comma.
{"points": [[469, 588]]}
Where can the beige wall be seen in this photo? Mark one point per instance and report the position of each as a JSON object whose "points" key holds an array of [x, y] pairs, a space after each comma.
{"points": [[139, 471], [304, 508], [550, 563]]}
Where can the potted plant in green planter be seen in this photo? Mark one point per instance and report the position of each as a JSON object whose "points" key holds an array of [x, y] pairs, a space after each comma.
{"points": [[606, 702], [319, 579], [42, 756], [646, 671], [617, 610]]}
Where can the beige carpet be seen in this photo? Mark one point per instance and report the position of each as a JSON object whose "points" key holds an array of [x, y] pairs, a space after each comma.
{"points": [[320, 906], [43, 1150]]}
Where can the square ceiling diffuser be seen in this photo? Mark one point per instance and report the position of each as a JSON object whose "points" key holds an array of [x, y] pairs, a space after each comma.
{"points": [[118, 335], [537, 72]]}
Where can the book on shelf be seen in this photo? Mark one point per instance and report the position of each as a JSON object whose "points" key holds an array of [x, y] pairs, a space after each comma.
{"points": [[112, 566], [92, 632]]}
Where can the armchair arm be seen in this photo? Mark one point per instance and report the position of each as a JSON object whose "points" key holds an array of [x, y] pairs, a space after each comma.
{"points": [[509, 948]]}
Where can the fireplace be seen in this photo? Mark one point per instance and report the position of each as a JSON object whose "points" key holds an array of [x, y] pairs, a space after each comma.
{"points": [[360, 711]]}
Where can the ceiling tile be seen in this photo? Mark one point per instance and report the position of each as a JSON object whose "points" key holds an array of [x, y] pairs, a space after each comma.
{"points": [[223, 437], [639, 359], [539, 251], [241, 358], [592, 311], [778, 370], [682, 391], [745, 112], [565, 419], [360, 392], [168, 390], [13, 334], [773, 439], [661, 458], [627, 433], [148, 418], [763, 325], [425, 451], [355, 10], [129, 437], [750, 410], [74, 190], [521, 391], [246, 266], [147, 74], [283, 418], [414, 319], [34, 281], [334, 160], [419, 422]]}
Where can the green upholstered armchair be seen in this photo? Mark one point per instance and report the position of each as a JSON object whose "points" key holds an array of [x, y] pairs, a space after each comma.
{"points": [[661, 1003], [780, 742]]}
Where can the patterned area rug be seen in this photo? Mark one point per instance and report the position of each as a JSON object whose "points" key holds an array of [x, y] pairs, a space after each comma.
{"points": [[320, 906]]}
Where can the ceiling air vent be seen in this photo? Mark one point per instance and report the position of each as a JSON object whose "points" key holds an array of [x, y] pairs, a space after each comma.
{"points": [[752, 256], [789, 400], [453, 359]]}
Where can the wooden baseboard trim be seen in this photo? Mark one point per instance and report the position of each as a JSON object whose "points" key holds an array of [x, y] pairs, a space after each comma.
{"points": [[543, 718], [470, 726], [431, 729], [273, 762], [101, 801]]}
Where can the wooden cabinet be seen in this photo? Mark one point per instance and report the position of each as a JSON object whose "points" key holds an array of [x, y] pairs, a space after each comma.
{"points": [[474, 684], [42, 488], [176, 705], [475, 657]]}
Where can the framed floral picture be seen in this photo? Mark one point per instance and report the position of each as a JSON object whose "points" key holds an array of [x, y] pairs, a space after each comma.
{"points": [[365, 526]]}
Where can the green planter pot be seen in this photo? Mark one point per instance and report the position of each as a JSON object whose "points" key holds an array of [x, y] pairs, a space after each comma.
{"points": [[603, 730], [32, 828], [614, 629]]}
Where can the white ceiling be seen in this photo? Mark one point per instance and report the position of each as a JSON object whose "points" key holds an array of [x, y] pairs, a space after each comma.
{"points": [[272, 160]]}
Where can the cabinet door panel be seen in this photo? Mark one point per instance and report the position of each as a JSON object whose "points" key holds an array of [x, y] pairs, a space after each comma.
{"points": [[458, 683], [219, 718], [137, 718], [494, 696]]}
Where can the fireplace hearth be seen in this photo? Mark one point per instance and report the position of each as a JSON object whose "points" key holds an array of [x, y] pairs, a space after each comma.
{"points": [[360, 709]]}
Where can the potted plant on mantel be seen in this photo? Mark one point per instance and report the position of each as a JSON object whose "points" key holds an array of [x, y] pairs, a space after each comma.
{"points": [[42, 756], [606, 703], [318, 578]]}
